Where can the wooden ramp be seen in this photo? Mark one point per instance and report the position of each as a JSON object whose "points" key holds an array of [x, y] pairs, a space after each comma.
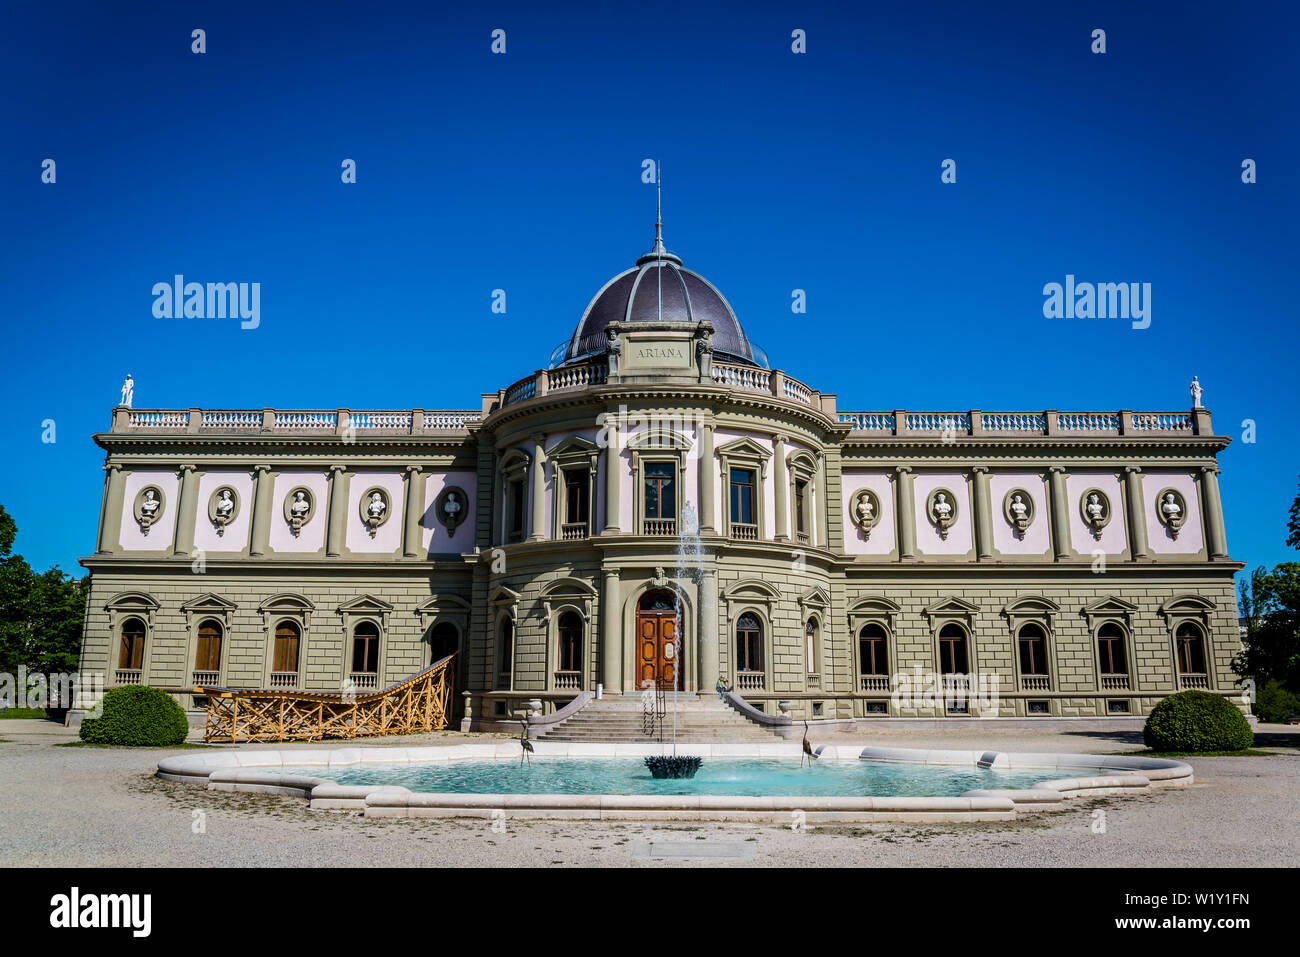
{"points": [[416, 704]]}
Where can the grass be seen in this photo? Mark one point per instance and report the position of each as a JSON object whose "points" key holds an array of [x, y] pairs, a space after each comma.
{"points": [[1244, 753], [22, 713]]}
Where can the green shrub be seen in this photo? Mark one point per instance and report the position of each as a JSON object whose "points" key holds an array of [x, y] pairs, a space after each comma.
{"points": [[1274, 704], [1197, 721], [138, 716]]}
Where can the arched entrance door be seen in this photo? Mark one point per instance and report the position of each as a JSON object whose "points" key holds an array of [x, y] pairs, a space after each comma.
{"points": [[656, 628]]}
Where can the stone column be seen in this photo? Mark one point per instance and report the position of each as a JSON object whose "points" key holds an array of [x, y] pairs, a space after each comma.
{"points": [[110, 511], [904, 513], [983, 514], [1060, 514], [707, 671], [782, 490], [338, 511], [708, 475], [538, 476], [822, 503], [263, 484], [414, 510], [611, 634], [186, 512], [497, 510], [1216, 541], [613, 474], [1137, 516]]}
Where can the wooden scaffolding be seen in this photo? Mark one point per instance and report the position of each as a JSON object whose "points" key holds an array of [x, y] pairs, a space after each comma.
{"points": [[421, 702]]}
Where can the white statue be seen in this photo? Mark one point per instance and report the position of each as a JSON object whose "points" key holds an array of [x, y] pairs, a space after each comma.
{"points": [[376, 507], [128, 390], [225, 504], [300, 506], [942, 509], [1170, 507], [1018, 508], [1196, 391], [866, 511], [451, 507], [149, 507], [1095, 509]]}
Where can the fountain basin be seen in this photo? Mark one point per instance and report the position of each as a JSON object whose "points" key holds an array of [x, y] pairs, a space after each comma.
{"points": [[1033, 782]]}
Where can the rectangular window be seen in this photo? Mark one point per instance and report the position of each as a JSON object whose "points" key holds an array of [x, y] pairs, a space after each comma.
{"points": [[575, 496], [742, 496], [1033, 656], [872, 653], [516, 506], [800, 507], [660, 490]]}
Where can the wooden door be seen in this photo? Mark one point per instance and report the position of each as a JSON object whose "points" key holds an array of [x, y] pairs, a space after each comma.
{"points": [[656, 654]]}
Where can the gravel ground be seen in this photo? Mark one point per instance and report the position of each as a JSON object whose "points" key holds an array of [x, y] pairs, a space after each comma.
{"points": [[84, 806]]}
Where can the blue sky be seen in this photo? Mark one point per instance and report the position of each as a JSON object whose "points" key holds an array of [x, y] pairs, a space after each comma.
{"points": [[522, 172]]}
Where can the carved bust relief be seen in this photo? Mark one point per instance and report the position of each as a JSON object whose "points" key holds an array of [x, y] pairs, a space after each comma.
{"points": [[223, 506], [449, 508], [149, 507], [374, 508], [299, 508], [1018, 509], [941, 508], [1171, 509], [865, 510], [1094, 506]]}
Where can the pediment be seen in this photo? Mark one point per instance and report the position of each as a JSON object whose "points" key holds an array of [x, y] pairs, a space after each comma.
{"points": [[1031, 605], [364, 603], [951, 606], [815, 596], [436, 604], [568, 586], [501, 595], [210, 603], [131, 601], [1187, 605], [659, 438], [1109, 605], [286, 601], [574, 445], [751, 588], [875, 604], [744, 447]]}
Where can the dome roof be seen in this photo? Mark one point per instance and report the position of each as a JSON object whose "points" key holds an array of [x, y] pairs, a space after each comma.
{"points": [[658, 288]]}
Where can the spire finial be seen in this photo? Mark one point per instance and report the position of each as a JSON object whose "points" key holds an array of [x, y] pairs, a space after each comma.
{"points": [[659, 205]]}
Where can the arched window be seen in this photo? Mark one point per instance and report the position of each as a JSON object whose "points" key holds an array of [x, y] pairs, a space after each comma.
{"points": [[365, 648], [506, 652], [570, 628], [1032, 642], [810, 646], [1111, 654], [284, 660], [444, 640], [207, 654], [130, 656], [952, 650], [1189, 642], [873, 658], [749, 643]]}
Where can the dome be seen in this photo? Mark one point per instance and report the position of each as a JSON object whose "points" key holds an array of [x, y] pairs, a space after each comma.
{"points": [[658, 288]]}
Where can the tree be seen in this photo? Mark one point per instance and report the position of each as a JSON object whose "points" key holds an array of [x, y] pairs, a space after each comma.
{"points": [[1271, 607], [41, 615]]}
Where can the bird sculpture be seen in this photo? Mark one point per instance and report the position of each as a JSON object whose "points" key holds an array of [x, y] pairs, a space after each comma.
{"points": [[525, 744], [808, 752]]}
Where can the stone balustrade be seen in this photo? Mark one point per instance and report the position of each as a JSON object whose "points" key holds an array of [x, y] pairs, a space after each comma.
{"points": [[1051, 422], [344, 422]]}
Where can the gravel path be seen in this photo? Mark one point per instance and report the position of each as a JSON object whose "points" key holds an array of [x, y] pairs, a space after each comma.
{"points": [[83, 806]]}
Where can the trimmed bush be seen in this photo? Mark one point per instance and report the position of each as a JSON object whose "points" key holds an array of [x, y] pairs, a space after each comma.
{"points": [[1197, 721], [137, 716], [1275, 704]]}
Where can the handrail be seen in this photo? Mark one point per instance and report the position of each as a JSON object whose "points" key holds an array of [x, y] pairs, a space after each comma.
{"points": [[547, 722], [1049, 422], [780, 724]]}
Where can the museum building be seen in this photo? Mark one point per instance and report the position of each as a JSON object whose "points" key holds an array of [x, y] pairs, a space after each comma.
{"points": [[659, 505]]}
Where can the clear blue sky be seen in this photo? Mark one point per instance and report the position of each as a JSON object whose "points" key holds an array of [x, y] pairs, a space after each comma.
{"points": [[522, 172]]}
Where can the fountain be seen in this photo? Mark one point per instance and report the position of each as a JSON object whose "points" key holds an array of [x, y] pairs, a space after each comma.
{"points": [[688, 565]]}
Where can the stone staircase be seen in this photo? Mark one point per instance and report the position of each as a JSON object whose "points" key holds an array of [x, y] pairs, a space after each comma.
{"points": [[702, 720]]}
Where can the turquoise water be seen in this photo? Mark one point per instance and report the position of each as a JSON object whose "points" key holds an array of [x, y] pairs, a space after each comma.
{"points": [[731, 776]]}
